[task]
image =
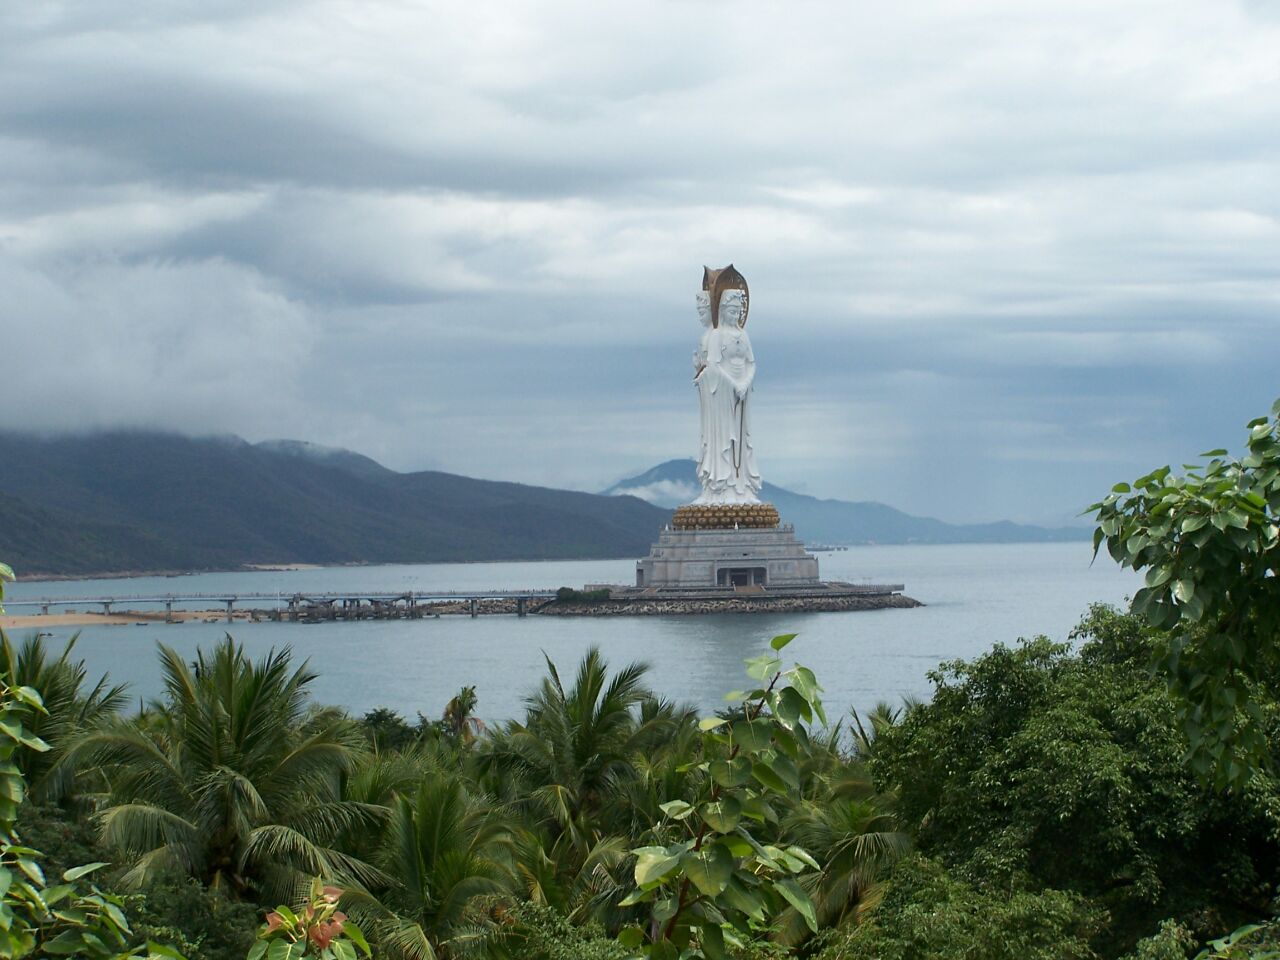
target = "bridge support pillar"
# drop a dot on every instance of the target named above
(475, 607)
(106, 608)
(520, 602)
(168, 611)
(230, 604)
(44, 608)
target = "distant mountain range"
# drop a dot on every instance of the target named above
(115, 502)
(838, 521)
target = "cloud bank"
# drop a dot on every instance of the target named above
(1001, 255)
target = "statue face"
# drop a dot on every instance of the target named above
(731, 309)
(703, 303)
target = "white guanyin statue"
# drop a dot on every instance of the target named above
(725, 369)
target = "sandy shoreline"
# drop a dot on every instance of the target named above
(117, 617)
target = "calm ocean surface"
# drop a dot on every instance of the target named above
(976, 596)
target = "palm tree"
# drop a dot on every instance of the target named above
(232, 777)
(852, 832)
(570, 768)
(446, 855)
(458, 719)
(69, 709)
(577, 744)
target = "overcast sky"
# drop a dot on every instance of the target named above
(1001, 254)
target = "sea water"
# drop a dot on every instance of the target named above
(975, 596)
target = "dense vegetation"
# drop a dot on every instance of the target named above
(1038, 806)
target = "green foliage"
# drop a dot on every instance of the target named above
(457, 720)
(71, 707)
(74, 917)
(444, 854)
(1033, 768)
(929, 914)
(1256, 941)
(709, 882)
(203, 923)
(317, 928)
(386, 730)
(6, 574)
(1209, 541)
(233, 778)
(570, 595)
(1172, 942)
(537, 932)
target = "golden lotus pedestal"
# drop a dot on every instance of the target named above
(730, 547)
(726, 516)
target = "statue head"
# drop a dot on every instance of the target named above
(702, 301)
(733, 308)
(716, 282)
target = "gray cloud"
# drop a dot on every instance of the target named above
(1001, 255)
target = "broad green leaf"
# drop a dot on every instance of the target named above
(758, 809)
(1193, 523)
(654, 864)
(637, 896)
(792, 707)
(710, 723)
(666, 908)
(67, 943)
(782, 640)
(803, 855)
(792, 742)
(805, 682)
(723, 815)
(742, 898)
(257, 950)
(75, 873)
(736, 846)
(168, 953)
(676, 809)
(763, 667)
(767, 777)
(709, 869)
(631, 936)
(751, 736)
(731, 773)
(712, 938)
(787, 770)
(794, 894)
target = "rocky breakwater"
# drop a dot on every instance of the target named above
(640, 606)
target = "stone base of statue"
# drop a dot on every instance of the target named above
(727, 546)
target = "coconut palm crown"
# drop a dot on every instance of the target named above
(231, 777)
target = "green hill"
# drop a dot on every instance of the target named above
(132, 501)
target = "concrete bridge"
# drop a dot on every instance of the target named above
(306, 606)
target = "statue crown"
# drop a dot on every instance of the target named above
(716, 282)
